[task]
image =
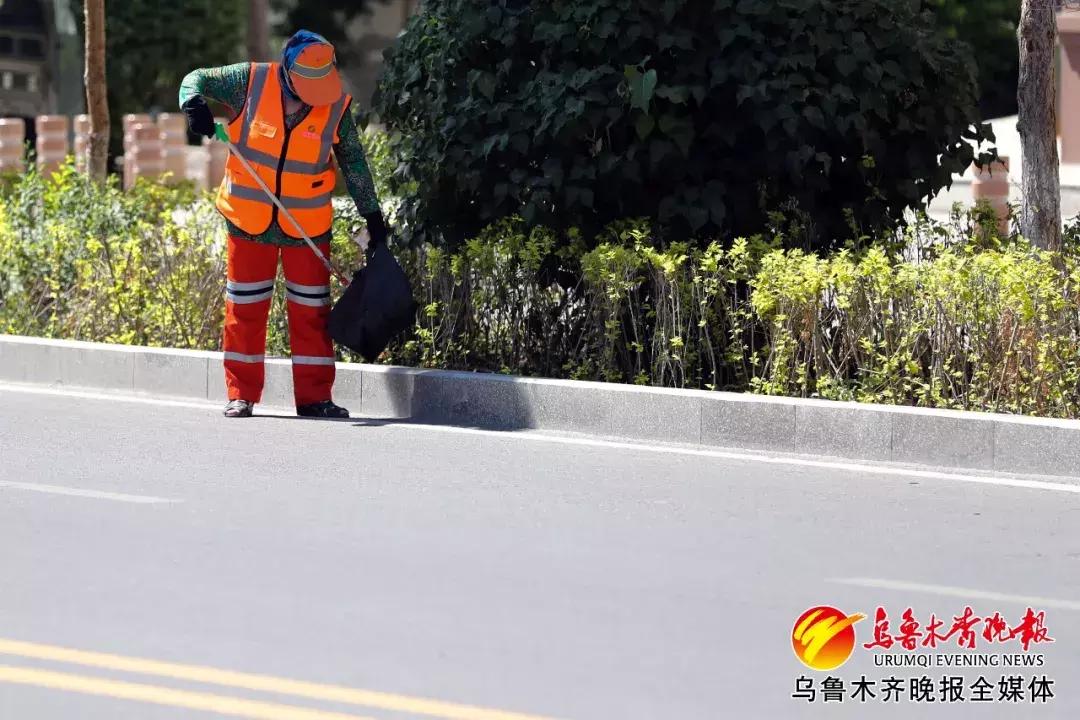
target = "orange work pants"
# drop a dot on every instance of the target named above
(252, 268)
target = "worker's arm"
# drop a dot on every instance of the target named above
(226, 85)
(353, 162)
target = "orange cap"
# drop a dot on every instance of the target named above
(314, 75)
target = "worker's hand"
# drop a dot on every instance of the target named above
(376, 229)
(199, 118)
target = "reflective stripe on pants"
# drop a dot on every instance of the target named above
(313, 295)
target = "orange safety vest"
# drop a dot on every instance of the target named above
(294, 163)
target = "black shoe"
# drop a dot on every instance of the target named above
(324, 409)
(239, 408)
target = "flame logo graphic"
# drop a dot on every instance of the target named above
(823, 637)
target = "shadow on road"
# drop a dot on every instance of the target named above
(458, 399)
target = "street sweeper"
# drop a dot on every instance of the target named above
(287, 118)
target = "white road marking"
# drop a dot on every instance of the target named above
(81, 492)
(852, 466)
(533, 436)
(89, 395)
(966, 593)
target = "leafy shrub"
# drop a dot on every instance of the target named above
(1071, 236)
(702, 115)
(86, 262)
(144, 267)
(975, 330)
(968, 327)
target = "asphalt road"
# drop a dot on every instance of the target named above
(159, 561)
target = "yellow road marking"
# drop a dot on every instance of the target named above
(206, 702)
(260, 683)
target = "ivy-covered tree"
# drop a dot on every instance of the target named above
(707, 116)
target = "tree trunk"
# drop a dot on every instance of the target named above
(97, 104)
(1040, 214)
(258, 35)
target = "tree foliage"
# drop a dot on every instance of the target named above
(989, 26)
(704, 114)
(151, 45)
(329, 18)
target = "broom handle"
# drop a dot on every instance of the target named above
(221, 134)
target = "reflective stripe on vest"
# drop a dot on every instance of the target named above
(294, 163)
(256, 194)
(293, 166)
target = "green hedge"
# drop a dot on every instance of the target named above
(704, 116)
(968, 322)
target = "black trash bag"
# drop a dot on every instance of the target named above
(376, 306)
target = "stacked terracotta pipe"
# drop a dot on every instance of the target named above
(52, 142)
(173, 145)
(991, 187)
(12, 145)
(152, 148)
(142, 149)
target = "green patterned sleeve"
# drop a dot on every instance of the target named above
(226, 85)
(354, 166)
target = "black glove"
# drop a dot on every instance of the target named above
(376, 229)
(199, 118)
